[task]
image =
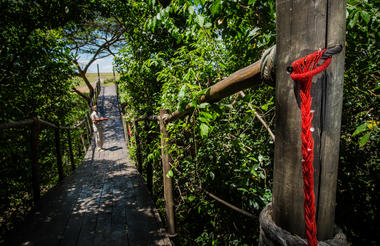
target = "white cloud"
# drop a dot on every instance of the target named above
(105, 64)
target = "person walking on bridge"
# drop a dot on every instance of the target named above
(98, 128)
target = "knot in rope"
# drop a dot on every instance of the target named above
(303, 71)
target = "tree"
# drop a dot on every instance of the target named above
(98, 38)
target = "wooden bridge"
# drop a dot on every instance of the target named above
(103, 202)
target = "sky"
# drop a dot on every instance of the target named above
(105, 64)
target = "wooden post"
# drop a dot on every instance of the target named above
(125, 130)
(97, 66)
(35, 128)
(82, 140)
(168, 190)
(138, 151)
(88, 128)
(71, 150)
(59, 154)
(128, 129)
(149, 170)
(114, 77)
(302, 28)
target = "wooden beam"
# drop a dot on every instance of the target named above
(168, 188)
(302, 28)
(20, 123)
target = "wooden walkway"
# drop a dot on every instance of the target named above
(103, 202)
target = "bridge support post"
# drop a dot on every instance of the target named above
(82, 140)
(168, 189)
(149, 169)
(138, 151)
(302, 28)
(34, 158)
(59, 154)
(71, 149)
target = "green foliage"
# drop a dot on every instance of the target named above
(220, 147)
(357, 197)
(35, 72)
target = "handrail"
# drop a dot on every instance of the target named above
(35, 132)
(14, 124)
(242, 79)
(245, 78)
(29, 121)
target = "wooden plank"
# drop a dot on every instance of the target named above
(300, 31)
(168, 189)
(333, 100)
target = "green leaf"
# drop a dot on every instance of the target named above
(212, 175)
(250, 2)
(200, 20)
(203, 105)
(365, 16)
(191, 198)
(204, 130)
(169, 174)
(353, 21)
(191, 10)
(181, 93)
(364, 139)
(208, 25)
(214, 8)
(360, 129)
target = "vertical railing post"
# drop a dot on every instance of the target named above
(97, 65)
(59, 154)
(114, 77)
(88, 128)
(128, 132)
(125, 130)
(71, 150)
(168, 190)
(138, 151)
(35, 135)
(149, 170)
(82, 139)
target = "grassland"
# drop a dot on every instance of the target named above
(106, 78)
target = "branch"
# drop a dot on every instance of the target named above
(260, 118)
(81, 94)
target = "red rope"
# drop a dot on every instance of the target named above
(303, 71)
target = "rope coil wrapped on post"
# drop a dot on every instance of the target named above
(273, 235)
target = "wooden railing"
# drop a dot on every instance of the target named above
(247, 77)
(35, 124)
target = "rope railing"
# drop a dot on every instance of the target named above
(245, 78)
(35, 124)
